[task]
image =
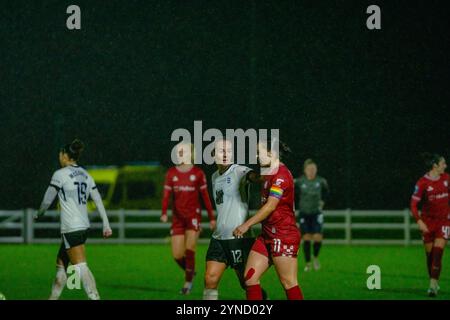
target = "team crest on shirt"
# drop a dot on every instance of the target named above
(304, 186)
(192, 177)
(175, 178)
(317, 184)
(446, 183)
(430, 188)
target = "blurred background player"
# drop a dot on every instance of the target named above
(73, 185)
(230, 191)
(431, 191)
(185, 183)
(311, 193)
(280, 238)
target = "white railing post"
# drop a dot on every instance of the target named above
(407, 227)
(122, 225)
(348, 226)
(28, 226)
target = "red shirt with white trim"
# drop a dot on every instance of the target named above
(281, 222)
(433, 194)
(186, 189)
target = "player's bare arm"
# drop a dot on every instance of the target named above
(254, 177)
(262, 214)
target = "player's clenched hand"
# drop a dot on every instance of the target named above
(163, 218)
(107, 232)
(422, 226)
(212, 224)
(239, 231)
(38, 214)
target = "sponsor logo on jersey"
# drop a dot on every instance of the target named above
(278, 182)
(184, 188)
(442, 195)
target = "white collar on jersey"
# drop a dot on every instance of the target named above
(431, 178)
(226, 171)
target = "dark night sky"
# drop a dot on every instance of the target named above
(363, 103)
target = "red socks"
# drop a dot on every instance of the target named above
(429, 262)
(181, 262)
(254, 292)
(436, 262)
(294, 293)
(190, 265)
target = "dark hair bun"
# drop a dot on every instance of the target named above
(285, 148)
(430, 159)
(77, 145)
(76, 148)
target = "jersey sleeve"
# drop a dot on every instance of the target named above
(418, 191)
(203, 186)
(168, 184)
(202, 183)
(91, 182)
(242, 171)
(325, 189)
(416, 198)
(279, 185)
(57, 180)
(166, 193)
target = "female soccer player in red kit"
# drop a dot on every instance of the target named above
(432, 192)
(186, 183)
(280, 239)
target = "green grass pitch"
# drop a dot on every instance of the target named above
(148, 272)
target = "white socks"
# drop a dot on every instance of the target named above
(59, 283)
(88, 280)
(210, 294)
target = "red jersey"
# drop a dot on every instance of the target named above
(186, 188)
(281, 222)
(433, 194)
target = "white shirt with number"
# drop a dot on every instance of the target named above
(74, 184)
(230, 200)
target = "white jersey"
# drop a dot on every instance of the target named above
(74, 185)
(231, 203)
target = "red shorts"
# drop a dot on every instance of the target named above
(276, 247)
(181, 224)
(437, 229)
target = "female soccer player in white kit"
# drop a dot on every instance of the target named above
(73, 185)
(230, 190)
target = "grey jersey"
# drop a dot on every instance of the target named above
(311, 193)
(74, 185)
(230, 199)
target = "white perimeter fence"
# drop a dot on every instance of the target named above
(19, 227)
